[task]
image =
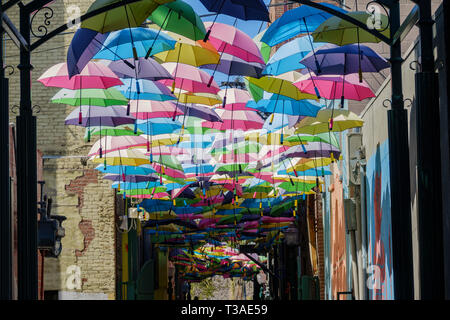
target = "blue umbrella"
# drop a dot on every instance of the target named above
(309, 172)
(287, 57)
(136, 185)
(157, 126)
(280, 121)
(83, 47)
(286, 106)
(127, 170)
(119, 44)
(142, 89)
(303, 19)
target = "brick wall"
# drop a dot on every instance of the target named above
(78, 191)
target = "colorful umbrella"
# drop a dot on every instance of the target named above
(147, 109)
(329, 120)
(90, 97)
(99, 116)
(145, 89)
(147, 69)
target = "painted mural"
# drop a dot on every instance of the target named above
(380, 273)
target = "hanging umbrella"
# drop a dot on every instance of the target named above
(125, 157)
(127, 170)
(92, 76)
(190, 78)
(198, 98)
(280, 87)
(124, 16)
(120, 130)
(236, 99)
(241, 9)
(341, 120)
(234, 66)
(341, 32)
(158, 126)
(263, 47)
(179, 17)
(287, 57)
(344, 60)
(294, 22)
(287, 106)
(95, 116)
(90, 97)
(147, 109)
(280, 121)
(145, 90)
(112, 143)
(134, 43)
(228, 39)
(237, 120)
(199, 111)
(147, 69)
(83, 47)
(194, 53)
(336, 86)
(131, 178)
(311, 150)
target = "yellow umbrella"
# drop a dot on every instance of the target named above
(336, 120)
(194, 53)
(341, 32)
(307, 163)
(163, 139)
(280, 87)
(199, 98)
(127, 157)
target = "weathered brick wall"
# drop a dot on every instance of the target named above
(78, 192)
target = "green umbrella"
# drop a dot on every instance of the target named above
(327, 137)
(125, 16)
(122, 130)
(167, 161)
(179, 17)
(296, 186)
(255, 91)
(341, 32)
(90, 97)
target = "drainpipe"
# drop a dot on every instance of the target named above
(363, 266)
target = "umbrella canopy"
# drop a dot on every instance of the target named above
(147, 69)
(199, 111)
(241, 9)
(99, 116)
(190, 78)
(280, 87)
(287, 57)
(236, 99)
(119, 44)
(147, 109)
(347, 59)
(341, 32)
(193, 53)
(125, 16)
(83, 47)
(228, 39)
(336, 86)
(93, 76)
(179, 17)
(158, 126)
(342, 120)
(119, 130)
(287, 106)
(90, 97)
(110, 144)
(199, 98)
(303, 19)
(237, 120)
(145, 89)
(234, 66)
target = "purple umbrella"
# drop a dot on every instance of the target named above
(195, 110)
(231, 65)
(131, 178)
(99, 116)
(147, 69)
(311, 150)
(352, 58)
(85, 44)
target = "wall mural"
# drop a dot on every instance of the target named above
(380, 274)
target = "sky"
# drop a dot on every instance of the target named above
(252, 28)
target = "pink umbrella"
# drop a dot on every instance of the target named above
(336, 87)
(235, 99)
(165, 150)
(93, 76)
(114, 143)
(228, 39)
(168, 171)
(237, 120)
(148, 109)
(189, 78)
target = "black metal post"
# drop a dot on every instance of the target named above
(26, 175)
(399, 173)
(429, 184)
(5, 212)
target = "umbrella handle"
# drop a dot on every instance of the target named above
(128, 109)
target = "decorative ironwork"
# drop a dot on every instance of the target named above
(370, 8)
(414, 64)
(387, 103)
(410, 103)
(11, 67)
(36, 107)
(41, 30)
(14, 109)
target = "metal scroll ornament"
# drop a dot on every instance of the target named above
(41, 30)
